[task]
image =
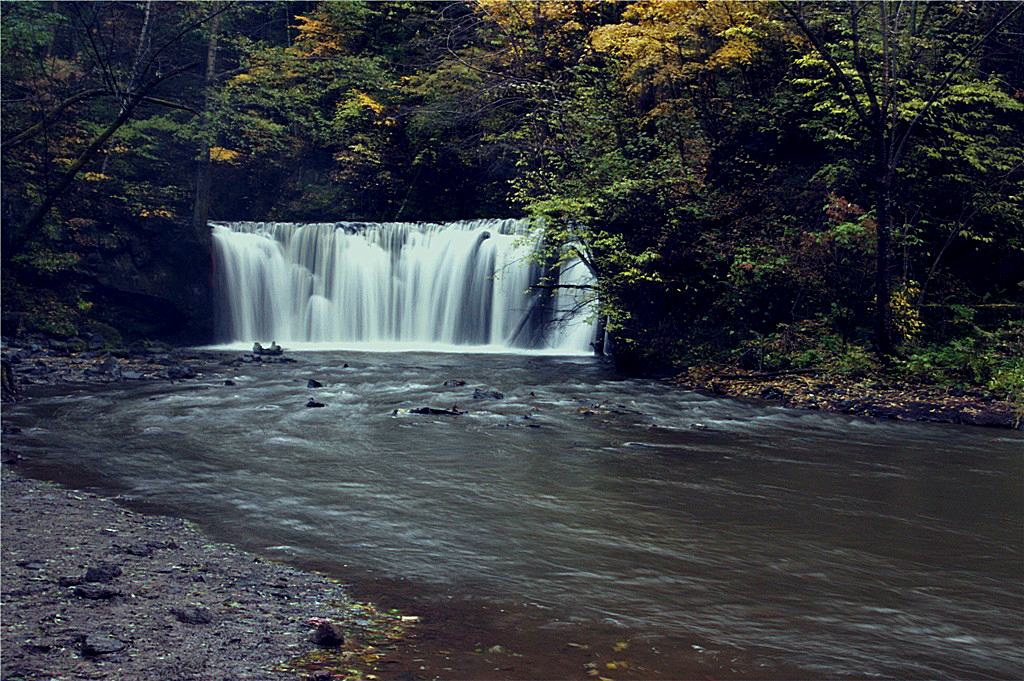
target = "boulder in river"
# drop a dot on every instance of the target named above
(313, 404)
(479, 394)
(454, 383)
(434, 411)
(313, 383)
(273, 350)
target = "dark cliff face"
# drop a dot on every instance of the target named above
(158, 286)
(153, 282)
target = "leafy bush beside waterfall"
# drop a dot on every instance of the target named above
(767, 185)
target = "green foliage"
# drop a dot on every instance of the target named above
(48, 315)
(990, 359)
(702, 159)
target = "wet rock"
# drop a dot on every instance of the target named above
(111, 367)
(31, 564)
(326, 633)
(479, 394)
(229, 382)
(104, 572)
(320, 675)
(454, 383)
(313, 404)
(180, 372)
(277, 360)
(272, 351)
(140, 550)
(95, 592)
(69, 580)
(9, 456)
(131, 375)
(37, 647)
(313, 383)
(772, 393)
(454, 411)
(192, 614)
(94, 645)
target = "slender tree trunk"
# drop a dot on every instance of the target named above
(599, 334)
(883, 243)
(201, 206)
(72, 172)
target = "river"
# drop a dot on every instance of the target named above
(763, 539)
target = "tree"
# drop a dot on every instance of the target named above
(893, 62)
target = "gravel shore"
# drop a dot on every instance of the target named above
(872, 397)
(92, 590)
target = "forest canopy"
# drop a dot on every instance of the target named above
(772, 185)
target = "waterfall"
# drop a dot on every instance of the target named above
(396, 285)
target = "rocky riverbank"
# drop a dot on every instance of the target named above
(92, 590)
(40, 361)
(37, 360)
(871, 396)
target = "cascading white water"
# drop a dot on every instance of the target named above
(396, 284)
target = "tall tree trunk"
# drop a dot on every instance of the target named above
(201, 206)
(883, 241)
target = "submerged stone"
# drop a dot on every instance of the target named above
(479, 394)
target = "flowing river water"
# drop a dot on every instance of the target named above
(712, 535)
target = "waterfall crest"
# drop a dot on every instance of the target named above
(396, 285)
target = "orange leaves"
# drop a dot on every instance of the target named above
(316, 37)
(224, 155)
(679, 40)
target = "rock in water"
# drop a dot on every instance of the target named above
(111, 367)
(454, 383)
(479, 394)
(229, 382)
(272, 351)
(313, 404)
(179, 372)
(454, 411)
(94, 645)
(313, 383)
(326, 633)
